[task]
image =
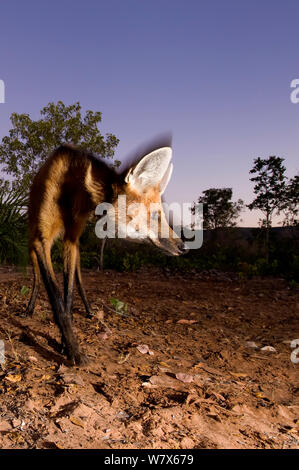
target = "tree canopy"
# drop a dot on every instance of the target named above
(219, 211)
(269, 188)
(29, 142)
(290, 202)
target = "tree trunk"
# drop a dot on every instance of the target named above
(268, 224)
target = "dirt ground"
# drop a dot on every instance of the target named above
(175, 369)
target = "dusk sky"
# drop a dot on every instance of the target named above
(216, 74)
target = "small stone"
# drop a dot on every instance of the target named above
(144, 349)
(122, 415)
(72, 379)
(32, 359)
(5, 426)
(187, 443)
(16, 423)
(251, 344)
(268, 348)
(186, 378)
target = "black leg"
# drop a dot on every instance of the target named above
(80, 286)
(62, 318)
(36, 282)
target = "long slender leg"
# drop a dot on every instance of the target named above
(80, 286)
(62, 319)
(36, 282)
(69, 267)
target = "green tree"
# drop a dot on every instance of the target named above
(219, 211)
(269, 188)
(290, 202)
(29, 142)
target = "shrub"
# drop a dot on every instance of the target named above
(13, 225)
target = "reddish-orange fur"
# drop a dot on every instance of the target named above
(65, 191)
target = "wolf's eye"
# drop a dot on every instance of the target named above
(155, 215)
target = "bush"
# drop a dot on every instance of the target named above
(236, 250)
(13, 225)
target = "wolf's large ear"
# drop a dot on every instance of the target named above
(151, 170)
(166, 178)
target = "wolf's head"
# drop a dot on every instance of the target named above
(145, 220)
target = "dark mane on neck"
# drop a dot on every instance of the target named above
(162, 140)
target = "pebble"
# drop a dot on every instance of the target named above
(5, 426)
(268, 348)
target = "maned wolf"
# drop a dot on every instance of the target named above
(64, 193)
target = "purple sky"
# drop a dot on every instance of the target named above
(216, 74)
